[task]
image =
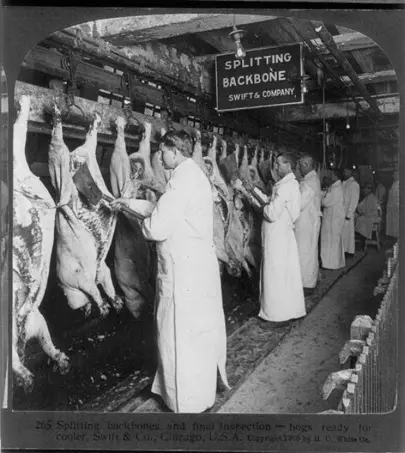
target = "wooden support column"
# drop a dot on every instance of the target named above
(330, 44)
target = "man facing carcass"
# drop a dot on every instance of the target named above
(333, 220)
(190, 322)
(281, 291)
(308, 223)
(351, 194)
(392, 224)
(368, 213)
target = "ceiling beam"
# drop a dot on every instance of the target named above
(375, 77)
(348, 42)
(44, 99)
(219, 39)
(330, 44)
(157, 62)
(315, 112)
(125, 31)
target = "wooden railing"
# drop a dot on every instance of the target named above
(369, 360)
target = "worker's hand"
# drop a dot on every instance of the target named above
(118, 203)
(237, 185)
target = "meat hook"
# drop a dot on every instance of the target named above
(70, 62)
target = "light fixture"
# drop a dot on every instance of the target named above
(347, 117)
(354, 167)
(319, 28)
(304, 83)
(236, 35)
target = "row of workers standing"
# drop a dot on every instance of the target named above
(301, 217)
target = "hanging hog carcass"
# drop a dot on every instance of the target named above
(132, 260)
(33, 237)
(161, 175)
(84, 232)
(234, 238)
(142, 172)
(221, 205)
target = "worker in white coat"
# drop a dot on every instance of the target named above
(367, 213)
(308, 223)
(351, 194)
(333, 220)
(190, 322)
(392, 223)
(281, 291)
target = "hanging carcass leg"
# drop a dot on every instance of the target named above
(33, 237)
(221, 203)
(84, 232)
(131, 251)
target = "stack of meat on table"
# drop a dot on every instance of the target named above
(83, 234)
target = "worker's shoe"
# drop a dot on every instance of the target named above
(272, 324)
(308, 291)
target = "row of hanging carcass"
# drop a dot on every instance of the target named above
(82, 234)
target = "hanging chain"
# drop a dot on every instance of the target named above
(70, 62)
(201, 112)
(168, 105)
(126, 85)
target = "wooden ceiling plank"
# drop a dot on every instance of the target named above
(136, 29)
(375, 77)
(157, 62)
(39, 122)
(345, 43)
(328, 41)
(364, 60)
(315, 112)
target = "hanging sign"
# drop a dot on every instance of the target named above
(265, 77)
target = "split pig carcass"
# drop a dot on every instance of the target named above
(161, 175)
(132, 259)
(234, 238)
(83, 232)
(33, 237)
(222, 201)
(141, 169)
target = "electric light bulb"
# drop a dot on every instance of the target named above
(240, 52)
(347, 126)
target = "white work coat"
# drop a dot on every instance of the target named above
(351, 194)
(333, 220)
(380, 193)
(307, 228)
(367, 215)
(281, 295)
(190, 321)
(392, 226)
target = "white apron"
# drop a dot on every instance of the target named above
(307, 228)
(281, 295)
(392, 226)
(190, 322)
(367, 216)
(351, 194)
(333, 220)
